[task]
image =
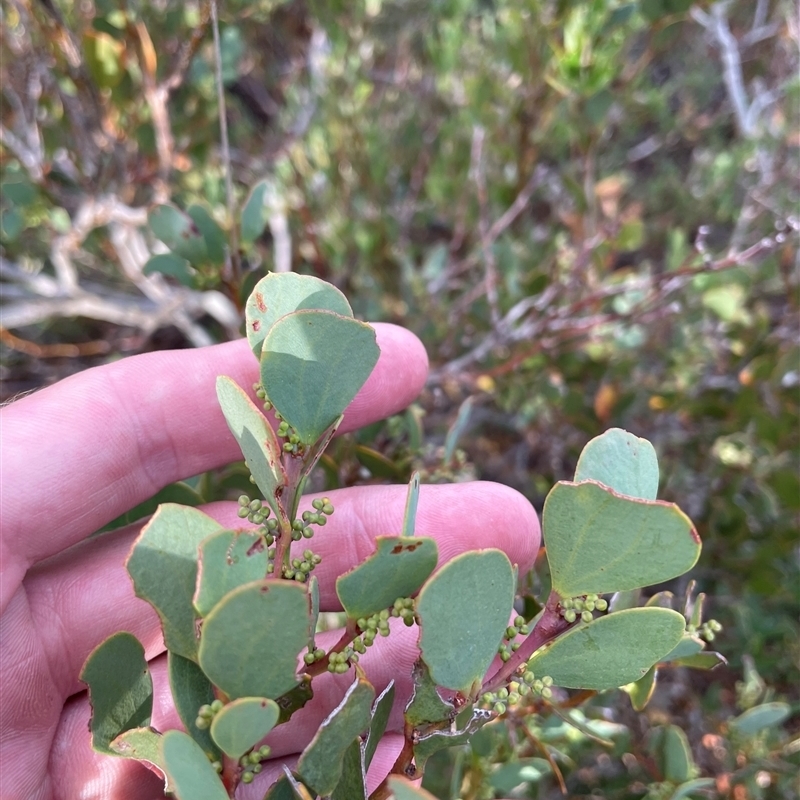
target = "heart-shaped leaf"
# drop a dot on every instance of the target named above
(599, 541)
(621, 461)
(610, 651)
(281, 293)
(463, 611)
(320, 765)
(243, 723)
(256, 439)
(163, 566)
(398, 568)
(120, 689)
(189, 772)
(228, 559)
(251, 638)
(312, 365)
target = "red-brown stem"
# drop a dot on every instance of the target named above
(550, 624)
(401, 765)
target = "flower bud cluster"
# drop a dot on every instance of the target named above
(512, 631)
(708, 630)
(262, 395)
(583, 606)
(251, 763)
(300, 568)
(206, 713)
(339, 663)
(314, 655)
(257, 512)
(525, 685)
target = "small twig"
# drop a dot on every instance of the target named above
(234, 262)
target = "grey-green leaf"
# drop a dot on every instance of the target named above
(754, 720)
(599, 541)
(179, 232)
(228, 559)
(352, 784)
(281, 293)
(188, 771)
(412, 502)
(610, 651)
(120, 689)
(256, 439)
(312, 365)
(464, 610)
(398, 568)
(213, 236)
(163, 566)
(171, 265)
(426, 705)
(243, 723)
(254, 213)
(380, 719)
(320, 765)
(621, 461)
(251, 638)
(191, 689)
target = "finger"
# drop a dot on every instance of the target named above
(98, 443)
(86, 595)
(459, 516)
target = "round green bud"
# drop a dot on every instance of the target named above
(308, 533)
(586, 616)
(205, 711)
(309, 658)
(515, 646)
(547, 692)
(503, 694)
(589, 605)
(254, 505)
(510, 632)
(257, 519)
(254, 757)
(244, 760)
(567, 602)
(327, 508)
(524, 630)
(244, 500)
(252, 479)
(528, 677)
(537, 685)
(243, 512)
(601, 604)
(287, 448)
(319, 654)
(341, 668)
(318, 503)
(408, 621)
(715, 626)
(247, 776)
(217, 766)
(570, 615)
(270, 569)
(513, 697)
(321, 521)
(202, 723)
(524, 689)
(217, 706)
(257, 768)
(296, 536)
(505, 656)
(488, 697)
(264, 751)
(499, 708)
(547, 680)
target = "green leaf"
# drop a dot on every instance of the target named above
(687, 646)
(256, 439)
(706, 660)
(754, 720)
(120, 689)
(228, 559)
(143, 744)
(255, 213)
(352, 784)
(412, 502)
(426, 705)
(609, 651)
(281, 293)
(381, 710)
(463, 611)
(188, 770)
(642, 690)
(163, 566)
(377, 463)
(512, 774)
(403, 789)
(215, 240)
(599, 541)
(243, 723)
(251, 638)
(191, 689)
(179, 232)
(312, 365)
(320, 765)
(398, 568)
(173, 266)
(671, 747)
(621, 461)
(689, 787)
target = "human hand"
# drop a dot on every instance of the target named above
(78, 454)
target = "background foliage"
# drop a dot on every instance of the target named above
(588, 211)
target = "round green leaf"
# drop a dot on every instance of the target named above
(599, 541)
(251, 638)
(621, 461)
(281, 293)
(228, 559)
(163, 567)
(312, 365)
(188, 771)
(256, 439)
(120, 689)
(610, 651)
(243, 723)
(464, 610)
(399, 566)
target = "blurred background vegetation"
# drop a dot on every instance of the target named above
(588, 211)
